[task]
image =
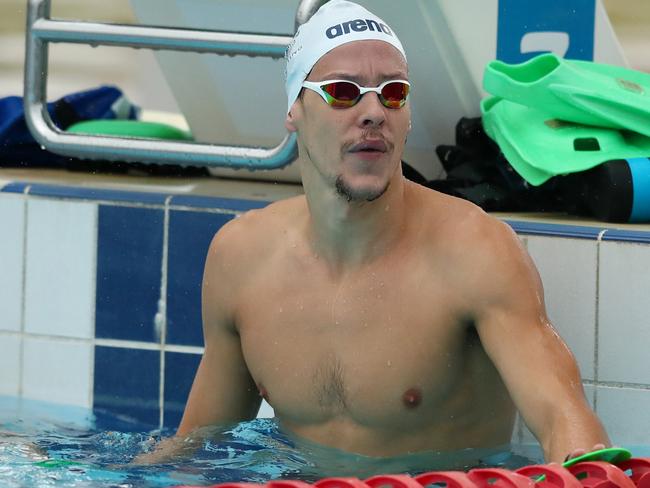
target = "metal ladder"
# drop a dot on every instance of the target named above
(42, 30)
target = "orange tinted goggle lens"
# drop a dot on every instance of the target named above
(344, 94)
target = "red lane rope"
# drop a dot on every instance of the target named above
(633, 473)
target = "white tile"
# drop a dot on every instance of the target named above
(624, 313)
(568, 271)
(61, 265)
(9, 365)
(516, 431)
(12, 223)
(58, 371)
(624, 412)
(266, 411)
(527, 436)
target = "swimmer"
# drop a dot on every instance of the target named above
(375, 315)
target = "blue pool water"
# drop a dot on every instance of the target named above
(34, 436)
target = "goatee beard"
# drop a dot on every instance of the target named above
(353, 195)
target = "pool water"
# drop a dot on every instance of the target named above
(46, 445)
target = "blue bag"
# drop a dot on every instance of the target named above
(19, 149)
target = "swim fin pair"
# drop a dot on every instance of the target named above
(552, 116)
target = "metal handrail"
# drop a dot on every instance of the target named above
(41, 30)
(307, 8)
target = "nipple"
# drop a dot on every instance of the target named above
(412, 397)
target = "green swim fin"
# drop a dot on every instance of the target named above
(577, 91)
(539, 147)
(613, 455)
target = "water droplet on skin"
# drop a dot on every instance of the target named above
(389, 363)
(337, 322)
(381, 284)
(281, 310)
(302, 307)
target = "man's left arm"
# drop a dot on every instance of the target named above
(537, 367)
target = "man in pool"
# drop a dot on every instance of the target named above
(375, 315)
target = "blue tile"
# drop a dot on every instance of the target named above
(14, 187)
(639, 236)
(120, 392)
(62, 191)
(190, 234)
(555, 230)
(217, 202)
(129, 261)
(180, 369)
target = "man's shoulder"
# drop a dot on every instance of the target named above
(464, 234)
(254, 231)
(458, 218)
(476, 252)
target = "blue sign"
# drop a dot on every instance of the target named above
(527, 28)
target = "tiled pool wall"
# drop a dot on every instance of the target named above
(100, 302)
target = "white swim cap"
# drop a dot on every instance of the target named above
(335, 23)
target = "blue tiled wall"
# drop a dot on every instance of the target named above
(179, 373)
(190, 234)
(117, 389)
(129, 264)
(130, 276)
(150, 251)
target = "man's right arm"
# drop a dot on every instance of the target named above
(223, 390)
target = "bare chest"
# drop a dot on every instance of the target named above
(376, 346)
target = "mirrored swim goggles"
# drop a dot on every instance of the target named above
(345, 93)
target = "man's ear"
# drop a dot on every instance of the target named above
(289, 123)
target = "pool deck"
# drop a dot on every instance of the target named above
(73, 184)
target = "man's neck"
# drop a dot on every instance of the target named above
(349, 233)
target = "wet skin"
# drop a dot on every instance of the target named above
(375, 315)
(381, 360)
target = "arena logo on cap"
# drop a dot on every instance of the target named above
(358, 25)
